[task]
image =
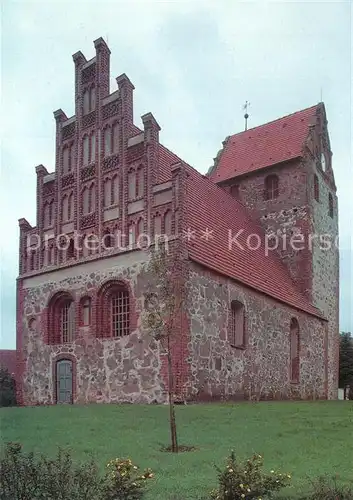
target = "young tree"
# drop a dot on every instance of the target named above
(346, 363)
(163, 309)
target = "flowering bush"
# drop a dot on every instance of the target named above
(247, 480)
(123, 481)
(29, 477)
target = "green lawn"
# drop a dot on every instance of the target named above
(305, 439)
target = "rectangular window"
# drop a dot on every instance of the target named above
(86, 312)
(67, 322)
(120, 314)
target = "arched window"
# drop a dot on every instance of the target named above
(46, 216)
(86, 101)
(31, 260)
(51, 212)
(271, 187)
(157, 225)
(236, 327)
(71, 250)
(107, 240)
(93, 147)
(316, 188)
(114, 310)
(323, 161)
(139, 228)
(71, 158)
(85, 316)
(140, 180)
(92, 244)
(85, 146)
(115, 138)
(168, 223)
(132, 184)
(92, 96)
(65, 208)
(132, 234)
(32, 324)
(70, 208)
(330, 205)
(45, 254)
(66, 159)
(92, 198)
(107, 192)
(61, 319)
(85, 200)
(51, 254)
(115, 190)
(85, 252)
(107, 141)
(294, 350)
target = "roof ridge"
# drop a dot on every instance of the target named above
(276, 120)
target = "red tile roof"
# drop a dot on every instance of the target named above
(209, 206)
(8, 360)
(263, 146)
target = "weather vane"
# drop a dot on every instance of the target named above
(246, 115)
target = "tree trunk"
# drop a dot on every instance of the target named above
(173, 429)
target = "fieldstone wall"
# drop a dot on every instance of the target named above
(106, 370)
(130, 369)
(314, 266)
(262, 369)
(325, 262)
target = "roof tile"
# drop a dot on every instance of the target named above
(263, 146)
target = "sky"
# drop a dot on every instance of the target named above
(193, 64)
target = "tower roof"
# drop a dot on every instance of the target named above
(263, 146)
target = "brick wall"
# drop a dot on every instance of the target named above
(284, 216)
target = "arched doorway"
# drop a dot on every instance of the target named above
(64, 383)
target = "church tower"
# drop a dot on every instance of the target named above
(282, 172)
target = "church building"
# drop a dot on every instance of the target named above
(258, 240)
